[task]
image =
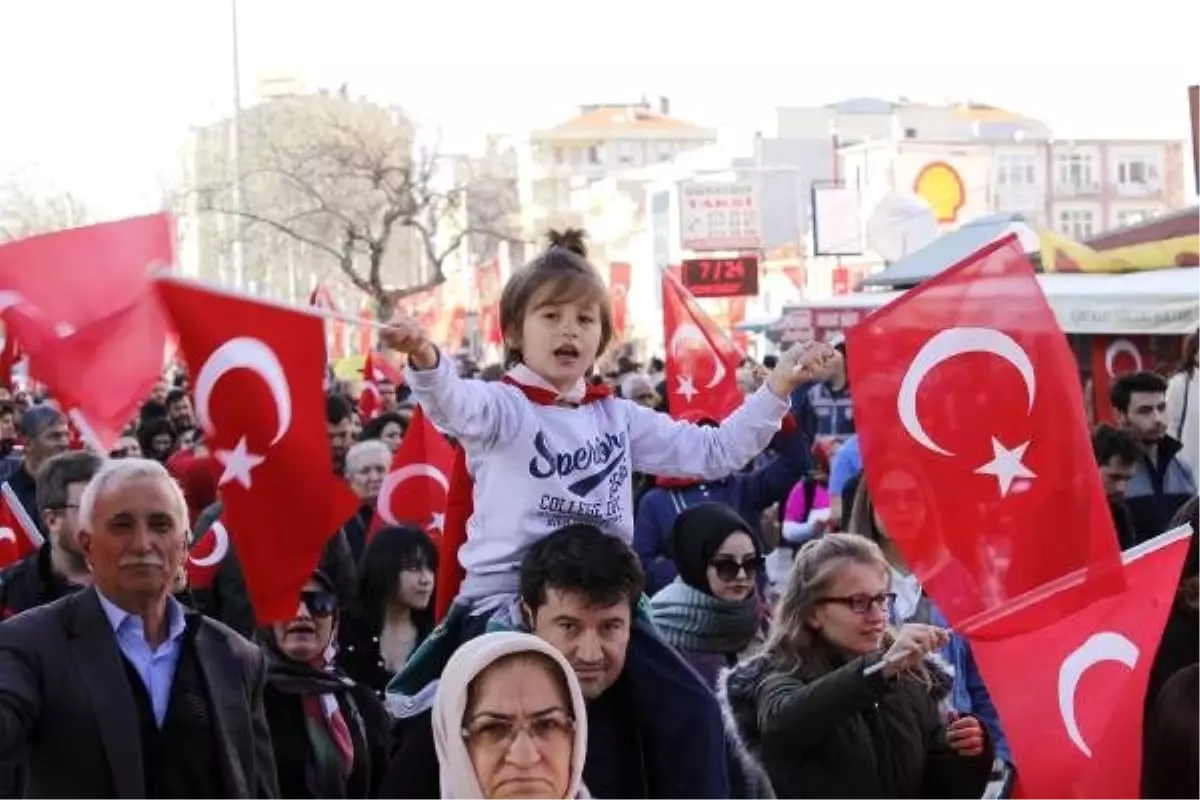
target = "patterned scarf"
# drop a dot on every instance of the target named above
(328, 732)
(689, 619)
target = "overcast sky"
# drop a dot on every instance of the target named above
(97, 95)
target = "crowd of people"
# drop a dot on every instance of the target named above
(649, 607)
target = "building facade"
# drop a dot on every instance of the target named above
(1079, 188)
(603, 142)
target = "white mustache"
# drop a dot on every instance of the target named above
(142, 562)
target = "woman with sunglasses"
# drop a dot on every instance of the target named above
(329, 734)
(711, 613)
(838, 705)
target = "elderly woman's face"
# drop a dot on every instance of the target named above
(366, 474)
(519, 730)
(306, 636)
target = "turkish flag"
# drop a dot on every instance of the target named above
(973, 438)
(257, 377)
(1070, 682)
(620, 274)
(206, 555)
(490, 286)
(368, 396)
(19, 535)
(460, 505)
(86, 310)
(9, 356)
(701, 362)
(416, 487)
(1112, 357)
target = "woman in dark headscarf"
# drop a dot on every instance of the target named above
(329, 733)
(711, 613)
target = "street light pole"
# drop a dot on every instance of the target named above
(236, 153)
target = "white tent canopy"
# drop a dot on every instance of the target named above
(1156, 302)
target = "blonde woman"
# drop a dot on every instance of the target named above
(509, 721)
(839, 706)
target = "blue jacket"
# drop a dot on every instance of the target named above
(748, 493)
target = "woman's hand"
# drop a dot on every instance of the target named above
(913, 642)
(799, 364)
(405, 335)
(965, 736)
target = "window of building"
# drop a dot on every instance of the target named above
(627, 154)
(1134, 216)
(1016, 170)
(1078, 224)
(559, 157)
(594, 156)
(665, 151)
(1076, 170)
(1136, 172)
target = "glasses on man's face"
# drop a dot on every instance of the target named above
(862, 603)
(499, 733)
(728, 568)
(319, 603)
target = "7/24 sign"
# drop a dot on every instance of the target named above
(721, 277)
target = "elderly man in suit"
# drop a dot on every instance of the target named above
(118, 690)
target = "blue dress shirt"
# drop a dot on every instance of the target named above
(156, 668)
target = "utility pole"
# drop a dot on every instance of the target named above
(236, 154)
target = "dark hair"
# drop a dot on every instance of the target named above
(390, 550)
(770, 361)
(1124, 387)
(337, 409)
(7, 408)
(59, 472)
(581, 558)
(38, 418)
(1109, 443)
(1189, 514)
(564, 269)
(1170, 767)
(152, 409)
(374, 428)
(174, 396)
(155, 427)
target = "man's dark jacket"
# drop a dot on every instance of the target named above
(65, 694)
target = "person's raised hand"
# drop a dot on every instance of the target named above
(913, 642)
(405, 335)
(799, 364)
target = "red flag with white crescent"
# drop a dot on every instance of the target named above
(415, 488)
(19, 536)
(1112, 357)
(258, 397)
(701, 361)
(1072, 710)
(971, 426)
(206, 555)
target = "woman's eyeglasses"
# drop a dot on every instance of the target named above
(862, 603)
(728, 567)
(499, 733)
(319, 603)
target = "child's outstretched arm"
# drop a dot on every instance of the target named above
(466, 409)
(661, 446)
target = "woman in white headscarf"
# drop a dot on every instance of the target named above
(509, 721)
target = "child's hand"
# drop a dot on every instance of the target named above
(405, 335)
(801, 363)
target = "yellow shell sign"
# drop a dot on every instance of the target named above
(940, 185)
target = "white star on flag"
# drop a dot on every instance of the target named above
(1006, 465)
(686, 387)
(237, 462)
(438, 523)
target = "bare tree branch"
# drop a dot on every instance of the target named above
(347, 180)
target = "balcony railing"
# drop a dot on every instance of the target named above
(1076, 189)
